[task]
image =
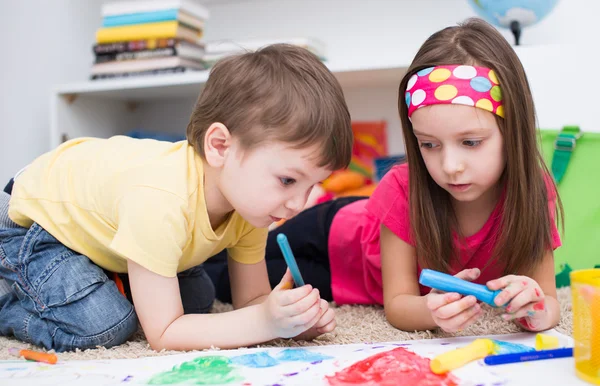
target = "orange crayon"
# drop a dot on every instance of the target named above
(33, 355)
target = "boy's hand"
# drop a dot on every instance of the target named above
(522, 298)
(325, 324)
(290, 312)
(451, 311)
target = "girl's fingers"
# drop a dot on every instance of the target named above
(510, 291)
(437, 300)
(500, 282)
(529, 311)
(472, 319)
(455, 308)
(524, 298)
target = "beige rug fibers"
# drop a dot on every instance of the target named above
(356, 324)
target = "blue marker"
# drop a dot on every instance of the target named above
(289, 259)
(502, 359)
(448, 283)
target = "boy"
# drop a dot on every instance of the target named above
(266, 128)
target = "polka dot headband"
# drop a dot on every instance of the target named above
(465, 85)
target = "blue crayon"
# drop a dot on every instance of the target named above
(289, 259)
(448, 283)
(502, 359)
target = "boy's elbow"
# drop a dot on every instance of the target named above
(158, 345)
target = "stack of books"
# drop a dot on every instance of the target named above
(219, 49)
(149, 37)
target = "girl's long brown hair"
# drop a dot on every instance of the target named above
(525, 233)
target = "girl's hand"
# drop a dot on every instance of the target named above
(325, 324)
(290, 312)
(522, 299)
(451, 311)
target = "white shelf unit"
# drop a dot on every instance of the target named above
(163, 103)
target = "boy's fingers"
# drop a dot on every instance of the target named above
(439, 300)
(287, 282)
(453, 309)
(302, 303)
(328, 327)
(309, 318)
(288, 297)
(326, 317)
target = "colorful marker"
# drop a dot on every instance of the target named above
(454, 359)
(502, 359)
(448, 283)
(33, 355)
(289, 259)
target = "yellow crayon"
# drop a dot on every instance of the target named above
(454, 359)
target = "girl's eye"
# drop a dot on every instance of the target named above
(471, 142)
(286, 181)
(428, 145)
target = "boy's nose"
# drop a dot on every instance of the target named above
(296, 204)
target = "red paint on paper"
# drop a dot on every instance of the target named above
(395, 367)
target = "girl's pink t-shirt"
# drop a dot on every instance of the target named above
(354, 253)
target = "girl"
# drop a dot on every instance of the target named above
(474, 199)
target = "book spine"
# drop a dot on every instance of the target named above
(140, 18)
(133, 55)
(167, 29)
(121, 75)
(133, 45)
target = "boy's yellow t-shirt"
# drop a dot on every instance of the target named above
(123, 198)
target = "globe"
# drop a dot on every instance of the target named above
(513, 14)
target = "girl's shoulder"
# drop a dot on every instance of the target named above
(550, 186)
(393, 186)
(397, 175)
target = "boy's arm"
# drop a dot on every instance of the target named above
(285, 313)
(160, 311)
(404, 308)
(249, 283)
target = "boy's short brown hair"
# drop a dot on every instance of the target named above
(280, 92)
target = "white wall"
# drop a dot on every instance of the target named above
(44, 43)
(58, 50)
(391, 32)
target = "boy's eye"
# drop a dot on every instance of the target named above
(471, 142)
(286, 181)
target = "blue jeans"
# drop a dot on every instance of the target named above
(61, 300)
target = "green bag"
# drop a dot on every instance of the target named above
(573, 157)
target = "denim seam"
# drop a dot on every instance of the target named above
(26, 326)
(22, 274)
(47, 272)
(110, 330)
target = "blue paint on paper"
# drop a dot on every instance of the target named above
(501, 347)
(301, 355)
(256, 360)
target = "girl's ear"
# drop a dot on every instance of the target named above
(217, 142)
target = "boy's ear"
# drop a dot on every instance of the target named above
(217, 142)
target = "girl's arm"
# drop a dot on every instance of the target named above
(404, 308)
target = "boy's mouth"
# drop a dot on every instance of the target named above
(275, 219)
